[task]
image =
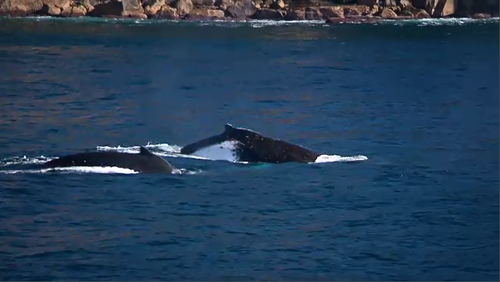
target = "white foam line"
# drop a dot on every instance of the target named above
(337, 158)
(24, 160)
(135, 149)
(165, 150)
(90, 169)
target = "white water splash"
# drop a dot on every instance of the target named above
(24, 160)
(162, 149)
(77, 169)
(337, 158)
(156, 148)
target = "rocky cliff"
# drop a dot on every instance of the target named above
(332, 11)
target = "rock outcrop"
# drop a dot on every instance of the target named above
(334, 11)
(184, 7)
(387, 13)
(167, 12)
(74, 11)
(105, 8)
(205, 14)
(270, 14)
(295, 15)
(20, 7)
(242, 9)
(55, 7)
(436, 8)
(133, 9)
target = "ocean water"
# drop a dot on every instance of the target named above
(406, 115)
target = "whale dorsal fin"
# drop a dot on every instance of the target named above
(144, 151)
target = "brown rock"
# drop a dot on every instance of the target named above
(154, 7)
(405, 13)
(270, 14)
(422, 14)
(396, 3)
(184, 7)
(368, 2)
(203, 2)
(295, 15)
(405, 3)
(387, 13)
(88, 6)
(78, 11)
(55, 7)
(351, 11)
(313, 13)
(74, 11)
(54, 11)
(264, 3)
(223, 4)
(359, 10)
(332, 12)
(133, 9)
(167, 12)
(137, 15)
(278, 4)
(334, 20)
(20, 7)
(436, 8)
(207, 13)
(243, 9)
(66, 12)
(101, 9)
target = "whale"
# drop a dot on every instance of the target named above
(143, 162)
(253, 147)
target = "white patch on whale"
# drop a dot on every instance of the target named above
(225, 151)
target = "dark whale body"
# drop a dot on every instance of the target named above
(252, 146)
(144, 161)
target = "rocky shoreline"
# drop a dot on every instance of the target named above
(287, 10)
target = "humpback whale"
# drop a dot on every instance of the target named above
(145, 161)
(251, 146)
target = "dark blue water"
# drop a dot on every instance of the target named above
(420, 100)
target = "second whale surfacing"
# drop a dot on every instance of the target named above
(251, 146)
(144, 162)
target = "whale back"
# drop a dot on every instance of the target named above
(269, 149)
(252, 146)
(144, 161)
